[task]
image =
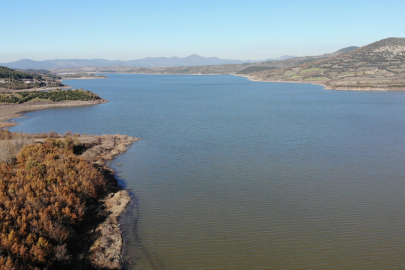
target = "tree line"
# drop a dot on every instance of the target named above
(55, 96)
(15, 79)
(8, 73)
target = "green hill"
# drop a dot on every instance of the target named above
(54, 96)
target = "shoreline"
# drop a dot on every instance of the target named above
(105, 251)
(327, 87)
(84, 78)
(99, 240)
(252, 78)
(8, 112)
(193, 74)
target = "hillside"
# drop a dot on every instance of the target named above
(378, 66)
(11, 79)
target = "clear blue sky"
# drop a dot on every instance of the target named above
(132, 29)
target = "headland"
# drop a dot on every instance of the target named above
(99, 240)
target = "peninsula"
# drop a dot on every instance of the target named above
(66, 201)
(82, 76)
(17, 101)
(85, 233)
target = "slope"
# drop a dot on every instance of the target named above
(377, 66)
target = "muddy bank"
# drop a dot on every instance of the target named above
(105, 251)
(102, 148)
(325, 85)
(9, 111)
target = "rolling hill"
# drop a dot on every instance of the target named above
(377, 66)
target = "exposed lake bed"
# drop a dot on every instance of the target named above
(234, 174)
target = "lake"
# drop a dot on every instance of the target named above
(235, 174)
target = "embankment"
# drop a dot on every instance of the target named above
(325, 85)
(106, 251)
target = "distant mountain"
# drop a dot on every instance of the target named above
(242, 69)
(57, 63)
(192, 60)
(377, 66)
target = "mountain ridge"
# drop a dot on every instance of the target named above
(191, 60)
(147, 62)
(202, 69)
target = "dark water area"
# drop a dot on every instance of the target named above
(234, 174)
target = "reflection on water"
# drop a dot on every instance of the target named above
(233, 174)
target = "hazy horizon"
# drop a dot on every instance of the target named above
(237, 30)
(194, 54)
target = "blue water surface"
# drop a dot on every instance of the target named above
(235, 174)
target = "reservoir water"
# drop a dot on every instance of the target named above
(234, 174)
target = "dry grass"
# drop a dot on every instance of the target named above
(10, 145)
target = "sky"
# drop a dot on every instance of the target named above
(243, 30)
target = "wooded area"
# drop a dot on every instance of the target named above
(44, 195)
(13, 79)
(55, 96)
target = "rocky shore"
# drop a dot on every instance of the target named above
(106, 251)
(100, 241)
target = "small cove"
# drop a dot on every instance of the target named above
(234, 174)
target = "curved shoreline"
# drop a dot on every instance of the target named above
(325, 86)
(11, 111)
(106, 250)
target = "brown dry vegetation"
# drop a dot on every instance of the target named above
(43, 199)
(53, 211)
(10, 145)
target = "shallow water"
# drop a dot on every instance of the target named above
(234, 174)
